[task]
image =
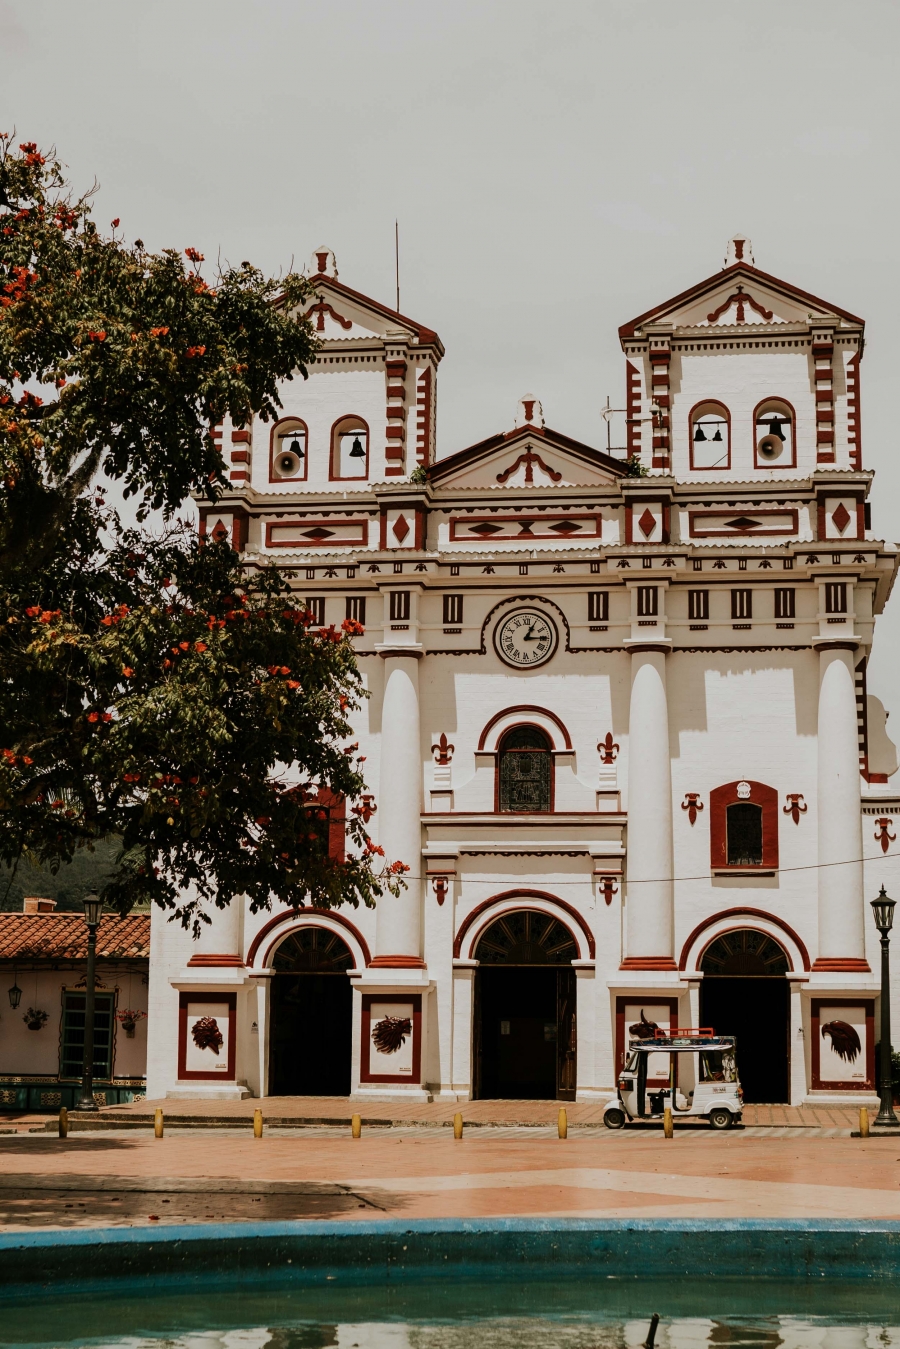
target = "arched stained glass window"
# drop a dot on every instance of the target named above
(313, 950)
(526, 938)
(526, 771)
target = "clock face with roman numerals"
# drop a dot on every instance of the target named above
(526, 638)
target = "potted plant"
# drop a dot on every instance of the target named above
(129, 1017)
(35, 1019)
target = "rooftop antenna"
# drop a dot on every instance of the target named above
(397, 261)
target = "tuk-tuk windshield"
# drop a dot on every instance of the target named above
(631, 1062)
(718, 1065)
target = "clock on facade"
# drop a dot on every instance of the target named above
(525, 638)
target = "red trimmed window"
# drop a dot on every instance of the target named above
(327, 812)
(525, 771)
(743, 825)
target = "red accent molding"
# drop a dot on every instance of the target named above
(744, 913)
(334, 451)
(740, 298)
(291, 915)
(648, 963)
(397, 963)
(312, 522)
(514, 711)
(816, 1005)
(848, 964)
(523, 894)
(320, 310)
(230, 1001)
(365, 1073)
(275, 434)
(711, 407)
(633, 409)
(720, 798)
(212, 961)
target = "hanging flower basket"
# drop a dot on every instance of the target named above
(35, 1019)
(129, 1017)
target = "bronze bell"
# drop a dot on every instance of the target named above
(356, 450)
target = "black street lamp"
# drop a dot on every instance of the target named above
(92, 919)
(883, 909)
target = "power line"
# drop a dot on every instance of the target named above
(704, 876)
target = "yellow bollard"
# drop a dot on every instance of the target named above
(863, 1122)
(562, 1124)
(158, 1123)
(457, 1125)
(64, 1122)
(668, 1126)
(257, 1124)
(356, 1126)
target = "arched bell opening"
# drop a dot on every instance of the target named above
(311, 1015)
(525, 1032)
(745, 993)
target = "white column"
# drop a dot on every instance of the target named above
(397, 919)
(650, 926)
(841, 916)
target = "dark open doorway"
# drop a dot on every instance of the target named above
(744, 993)
(311, 1016)
(525, 1027)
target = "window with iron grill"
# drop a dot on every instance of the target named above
(453, 608)
(316, 606)
(598, 606)
(525, 769)
(698, 605)
(648, 601)
(785, 603)
(71, 1059)
(744, 834)
(741, 604)
(836, 597)
(399, 606)
(356, 608)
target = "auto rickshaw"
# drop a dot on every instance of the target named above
(702, 1079)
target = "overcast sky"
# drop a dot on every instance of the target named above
(556, 168)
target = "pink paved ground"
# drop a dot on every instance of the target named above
(132, 1178)
(318, 1108)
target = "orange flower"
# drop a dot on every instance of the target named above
(99, 336)
(26, 758)
(199, 646)
(93, 716)
(127, 671)
(159, 332)
(293, 683)
(196, 351)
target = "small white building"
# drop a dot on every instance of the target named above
(618, 725)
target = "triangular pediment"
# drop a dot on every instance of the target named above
(529, 457)
(740, 295)
(338, 313)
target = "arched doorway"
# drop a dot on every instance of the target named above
(311, 1015)
(745, 993)
(525, 1029)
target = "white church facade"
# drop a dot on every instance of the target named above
(618, 726)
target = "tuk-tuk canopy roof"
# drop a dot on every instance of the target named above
(683, 1043)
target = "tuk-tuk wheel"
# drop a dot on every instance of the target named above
(720, 1119)
(614, 1119)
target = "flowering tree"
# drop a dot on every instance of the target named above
(149, 688)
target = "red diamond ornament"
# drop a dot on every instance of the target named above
(401, 528)
(841, 518)
(647, 523)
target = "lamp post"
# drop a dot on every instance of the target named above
(92, 919)
(883, 909)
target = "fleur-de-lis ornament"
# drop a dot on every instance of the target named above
(795, 807)
(883, 832)
(608, 749)
(692, 804)
(443, 750)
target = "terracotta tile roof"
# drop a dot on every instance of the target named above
(63, 936)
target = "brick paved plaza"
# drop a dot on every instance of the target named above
(783, 1163)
